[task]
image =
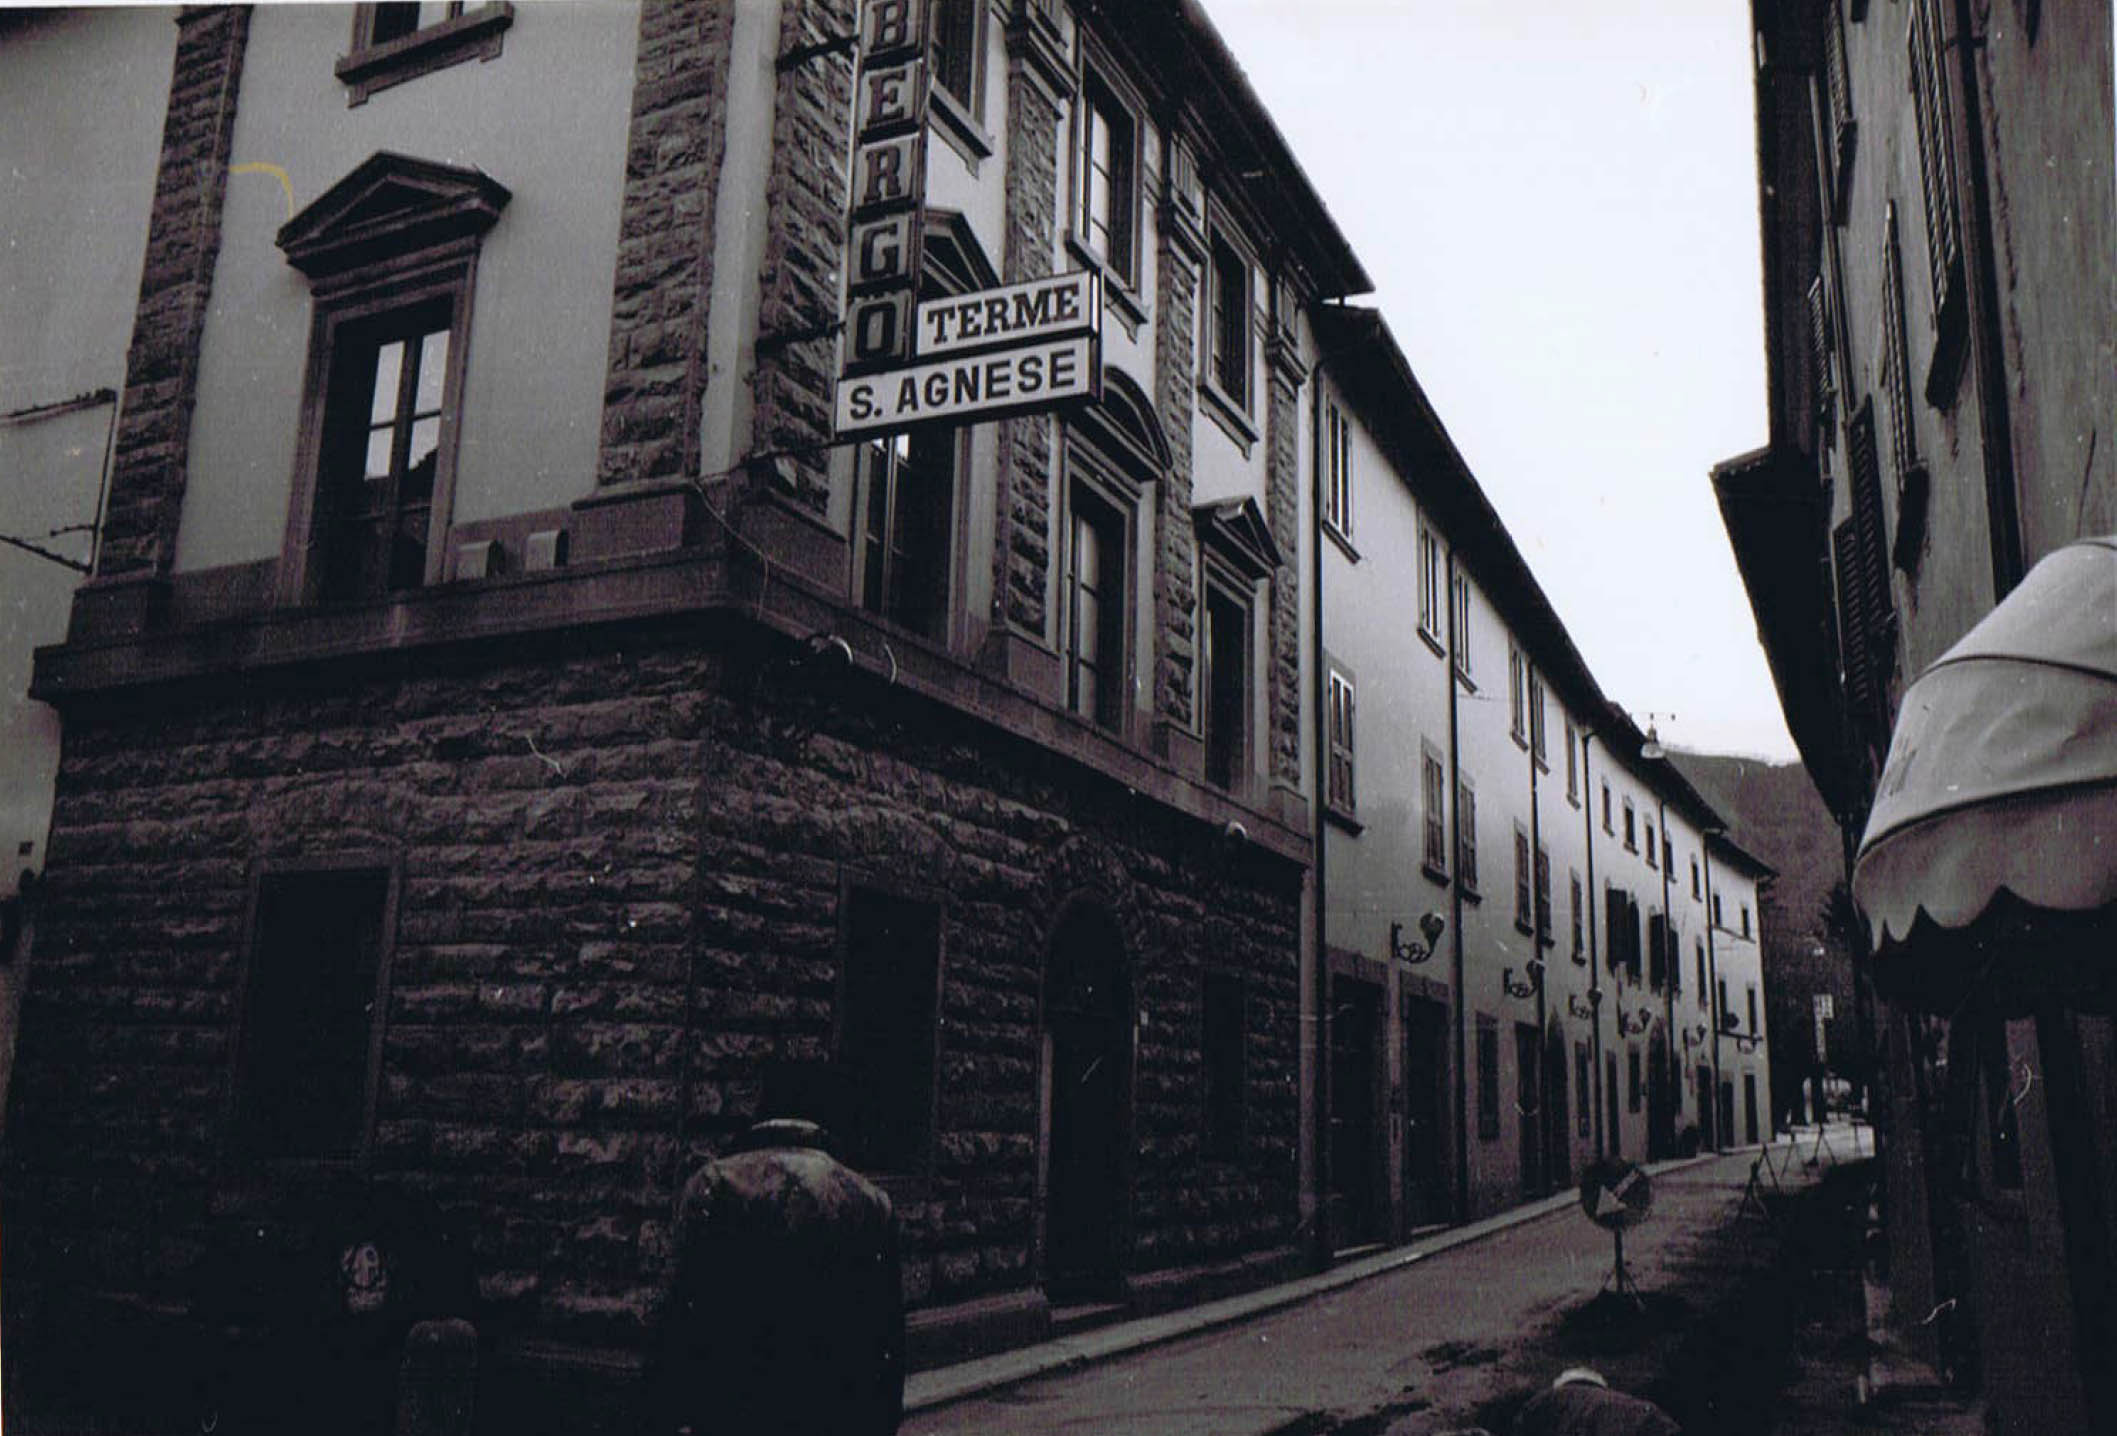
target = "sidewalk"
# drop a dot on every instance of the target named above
(927, 1390)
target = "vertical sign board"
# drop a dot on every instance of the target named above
(889, 184)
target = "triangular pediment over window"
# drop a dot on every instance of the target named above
(391, 205)
(1235, 530)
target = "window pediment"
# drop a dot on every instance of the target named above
(390, 205)
(1235, 531)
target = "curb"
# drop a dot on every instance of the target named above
(945, 1385)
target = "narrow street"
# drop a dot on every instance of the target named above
(1452, 1340)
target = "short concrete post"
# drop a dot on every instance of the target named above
(438, 1379)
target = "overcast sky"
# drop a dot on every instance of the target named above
(1557, 202)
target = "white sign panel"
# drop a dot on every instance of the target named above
(972, 386)
(1046, 308)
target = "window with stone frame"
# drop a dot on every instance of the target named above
(1524, 893)
(1631, 828)
(1224, 1057)
(1653, 848)
(1462, 627)
(906, 502)
(394, 42)
(1933, 115)
(1097, 560)
(1226, 684)
(1338, 499)
(1488, 1078)
(1606, 826)
(1106, 178)
(1230, 300)
(1537, 744)
(1434, 811)
(310, 1043)
(1340, 794)
(1429, 581)
(886, 1029)
(956, 52)
(1466, 835)
(382, 397)
(1910, 472)
(1518, 692)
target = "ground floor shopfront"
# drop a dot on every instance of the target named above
(583, 909)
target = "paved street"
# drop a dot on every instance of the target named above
(1420, 1349)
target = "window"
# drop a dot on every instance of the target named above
(1944, 246)
(1745, 919)
(1866, 605)
(1657, 949)
(1720, 1013)
(1668, 850)
(1719, 921)
(1338, 502)
(1227, 687)
(1653, 847)
(955, 48)
(1524, 913)
(1572, 763)
(1606, 827)
(396, 42)
(1752, 994)
(1694, 876)
(1631, 830)
(1340, 792)
(886, 1029)
(383, 392)
(1585, 1123)
(1543, 897)
(1229, 346)
(1701, 971)
(1466, 835)
(1518, 692)
(908, 493)
(1488, 1078)
(1835, 127)
(1537, 745)
(1107, 185)
(304, 1085)
(1632, 1079)
(1435, 792)
(1430, 582)
(1222, 1037)
(1462, 626)
(1095, 609)
(1580, 929)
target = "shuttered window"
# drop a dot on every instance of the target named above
(1932, 110)
(1859, 548)
(1835, 128)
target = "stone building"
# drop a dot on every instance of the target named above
(1514, 880)
(1935, 183)
(510, 742)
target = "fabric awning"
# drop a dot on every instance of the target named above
(2002, 771)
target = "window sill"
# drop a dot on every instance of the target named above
(1580, 957)
(1462, 676)
(1343, 818)
(1524, 928)
(1343, 540)
(1469, 891)
(473, 35)
(1228, 414)
(1428, 637)
(958, 128)
(1521, 740)
(1435, 873)
(1119, 296)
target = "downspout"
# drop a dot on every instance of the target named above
(1995, 423)
(1712, 996)
(1455, 899)
(1587, 806)
(1319, 1056)
(1538, 919)
(1673, 1075)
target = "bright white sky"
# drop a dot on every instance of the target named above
(1557, 202)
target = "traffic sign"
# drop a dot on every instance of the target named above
(1615, 1194)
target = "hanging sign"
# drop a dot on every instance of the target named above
(1034, 376)
(883, 241)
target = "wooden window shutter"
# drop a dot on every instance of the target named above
(1820, 354)
(1837, 90)
(1937, 182)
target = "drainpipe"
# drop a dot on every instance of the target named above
(1455, 899)
(1712, 995)
(1319, 1115)
(1587, 805)
(1536, 935)
(1673, 1075)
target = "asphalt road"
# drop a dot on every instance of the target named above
(1417, 1349)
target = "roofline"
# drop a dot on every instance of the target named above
(1719, 840)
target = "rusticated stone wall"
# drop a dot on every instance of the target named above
(657, 380)
(1282, 512)
(1176, 396)
(620, 864)
(176, 280)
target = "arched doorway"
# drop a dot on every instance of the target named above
(1087, 1066)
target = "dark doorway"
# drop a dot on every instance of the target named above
(1661, 1098)
(1749, 1105)
(1558, 1154)
(1705, 1108)
(1355, 1081)
(1425, 1134)
(1528, 1049)
(1613, 1129)
(1085, 1007)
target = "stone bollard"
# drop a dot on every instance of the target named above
(785, 1315)
(438, 1379)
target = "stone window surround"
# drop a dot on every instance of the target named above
(1341, 801)
(1233, 414)
(1121, 282)
(475, 33)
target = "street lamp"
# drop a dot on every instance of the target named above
(1430, 927)
(1530, 985)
